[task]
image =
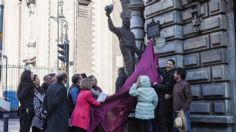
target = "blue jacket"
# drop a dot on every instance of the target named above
(146, 97)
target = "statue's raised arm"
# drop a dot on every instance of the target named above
(111, 26)
(126, 38)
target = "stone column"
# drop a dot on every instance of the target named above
(137, 21)
(30, 57)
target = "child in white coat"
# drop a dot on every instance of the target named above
(147, 101)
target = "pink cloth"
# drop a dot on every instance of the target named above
(114, 112)
(82, 113)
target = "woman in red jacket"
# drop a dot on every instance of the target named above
(81, 115)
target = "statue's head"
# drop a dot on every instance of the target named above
(126, 22)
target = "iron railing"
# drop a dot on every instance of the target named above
(10, 81)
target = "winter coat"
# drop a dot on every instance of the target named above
(26, 109)
(73, 93)
(57, 108)
(82, 113)
(166, 86)
(120, 81)
(26, 99)
(38, 102)
(44, 86)
(147, 99)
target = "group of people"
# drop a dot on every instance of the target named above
(52, 107)
(163, 107)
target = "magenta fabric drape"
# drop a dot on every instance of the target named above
(114, 112)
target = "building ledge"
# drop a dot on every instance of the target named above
(31, 61)
(212, 119)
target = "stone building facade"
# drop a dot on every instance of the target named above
(200, 36)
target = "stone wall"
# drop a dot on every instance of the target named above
(206, 50)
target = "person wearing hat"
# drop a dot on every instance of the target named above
(182, 98)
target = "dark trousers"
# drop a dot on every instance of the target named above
(164, 115)
(25, 121)
(78, 129)
(35, 129)
(145, 125)
(72, 129)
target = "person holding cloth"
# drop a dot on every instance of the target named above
(164, 89)
(81, 116)
(147, 101)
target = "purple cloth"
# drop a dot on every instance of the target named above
(114, 112)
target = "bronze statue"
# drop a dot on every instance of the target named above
(126, 39)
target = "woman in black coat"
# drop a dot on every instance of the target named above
(25, 95)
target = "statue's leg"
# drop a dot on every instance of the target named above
(129, 59)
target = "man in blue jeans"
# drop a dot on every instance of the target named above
(182, 97)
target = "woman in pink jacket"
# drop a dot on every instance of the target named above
(81, 115)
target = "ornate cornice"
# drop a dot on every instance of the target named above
(196, 14)
(30, 61)
(31, 44)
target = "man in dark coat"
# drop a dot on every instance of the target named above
(46, 82)
(56, 106)
(120, 81)
(164, 90)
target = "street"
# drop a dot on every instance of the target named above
(13, 125)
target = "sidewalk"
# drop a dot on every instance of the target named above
(13, 125)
